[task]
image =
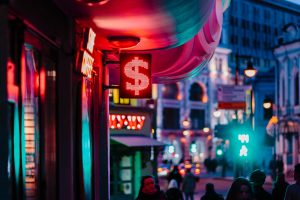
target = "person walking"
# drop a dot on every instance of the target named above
(189, 184)
(210, 193)
(293, 191)
(150, 191)
(173, 193)
(280, 186)
(174, 174)
(257, 179)
(240, 189)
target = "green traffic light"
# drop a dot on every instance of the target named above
(219, 152)
(243, 151)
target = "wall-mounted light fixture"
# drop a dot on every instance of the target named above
(123, 41)
(94, 2)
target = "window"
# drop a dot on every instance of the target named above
(296, 88)
(196, 92)
(197, 119)
(170, 91)
(254, 26)
(171, 118)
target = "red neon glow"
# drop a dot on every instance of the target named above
(127, 122)
(12, 89)
(42, 82)
(87, 64)
(36, 83)
(135, 76)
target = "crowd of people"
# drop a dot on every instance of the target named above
(240, 189)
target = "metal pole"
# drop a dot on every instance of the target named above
(104, 156)
(237, 69)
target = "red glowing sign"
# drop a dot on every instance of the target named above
(127, 122)
(135, 76)
(86, 64)
(86, 59)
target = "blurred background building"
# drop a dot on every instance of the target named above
(285, 129)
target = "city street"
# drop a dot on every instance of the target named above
(103, 99)
(221, 184)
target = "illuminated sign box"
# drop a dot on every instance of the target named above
(126, 121)
(123, 120)
(89, 40)
(86, 60)
(135, 76)
(86, 63)
(232, 97)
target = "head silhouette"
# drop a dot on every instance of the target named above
(173, 184)
(148, 185)
(257, 177)
(240, 190)
(210, 188)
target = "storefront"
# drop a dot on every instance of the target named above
(133, 150)
(58, 135)
(31, 80)
(41, 127)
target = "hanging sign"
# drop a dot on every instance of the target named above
(135, 76)
(232, 97)
(86, 59)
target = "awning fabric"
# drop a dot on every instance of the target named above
(136, 141)
(180, 35)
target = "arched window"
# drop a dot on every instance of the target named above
(170, 91)
(296, 88)
(196, 92)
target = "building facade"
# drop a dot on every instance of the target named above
(185, 112)
(57, 62)
(252, 28)
(287, 107)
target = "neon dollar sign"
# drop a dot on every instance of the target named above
(131, 70)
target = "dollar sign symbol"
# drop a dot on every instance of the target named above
(131, 70)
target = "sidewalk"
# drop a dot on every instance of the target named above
(229, 176)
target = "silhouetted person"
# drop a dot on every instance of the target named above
(224, 165)
(279, 164)
(272, 167)
(173, 193)
(293, 191)
(240, 190)
(210, 193)
(214, 165)
(189, 184)
(174, 174)
(150, 191)
(280, 186)
(257, 179)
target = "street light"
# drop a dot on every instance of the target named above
(186, 123)
(217, 113)
(267, 103)
(250, 71)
